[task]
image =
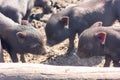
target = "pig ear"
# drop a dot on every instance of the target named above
(101, 36)
(65, 21)
(97, 24)
(21, 35)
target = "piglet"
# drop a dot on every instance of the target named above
(100, 41)
(16, 38)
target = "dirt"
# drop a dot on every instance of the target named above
(57, 53)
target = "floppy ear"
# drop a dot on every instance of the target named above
(97, 24)
(101, 36)
(65, 21)
(21, 36)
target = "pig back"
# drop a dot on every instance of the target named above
(5, 21)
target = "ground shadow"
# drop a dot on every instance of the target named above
(74, 61)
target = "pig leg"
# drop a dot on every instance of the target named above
(27, 15)
(36, 16)
(107, 60)
(46, 5)
(116, 63)
(47, 10)
(115, 58)
(1, 53)
(22, 58)
(13, 56)
(71, 44)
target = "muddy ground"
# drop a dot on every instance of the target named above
(56, 53)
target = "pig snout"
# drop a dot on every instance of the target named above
(43, 51)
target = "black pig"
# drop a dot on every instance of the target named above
(20, 9)
(74, 19)
(100, 41)
(21, 39)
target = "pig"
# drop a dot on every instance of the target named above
(74, 19)
(100, 41)
(20, 9)
(16, 38)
